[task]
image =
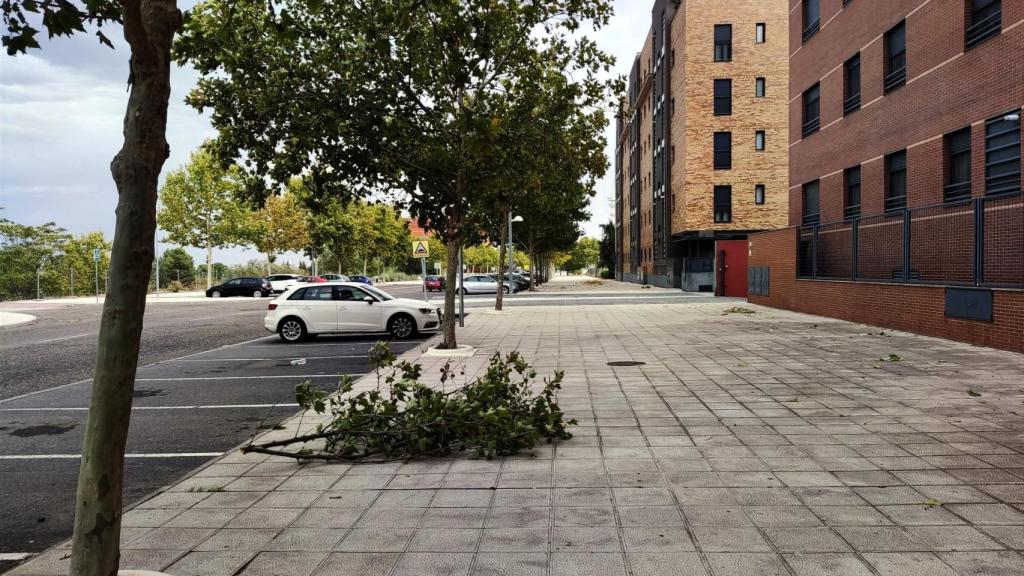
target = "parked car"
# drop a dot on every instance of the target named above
(335, 278)
(520, 282)
(482, 284)
(255, 287)
(361, 279)
(434, 283)
(311, 279)
(282, 282)
(338, 307)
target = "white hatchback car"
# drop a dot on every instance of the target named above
(339, 307)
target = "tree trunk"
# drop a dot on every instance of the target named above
(533, 270)
(503, 238)
(364, 265)
(453, 240)
(149, 27)
(270, 262)
(209, 266)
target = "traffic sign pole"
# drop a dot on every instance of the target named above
(423, 269)
(96, 266)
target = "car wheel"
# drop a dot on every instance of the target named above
(505, 290)
(464, 291)
(215, 294)
(402, 326)
(257, 293)
(292, 330)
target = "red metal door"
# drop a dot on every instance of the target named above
(731, 264)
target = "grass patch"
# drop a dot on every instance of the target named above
(205, 489)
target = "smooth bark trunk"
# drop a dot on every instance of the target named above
(209, 266)
(149, 27)
(453, 240)
(501, 260)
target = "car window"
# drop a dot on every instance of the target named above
(347, 294)
(234, 282)
(298, 294)
(319, 293)
(380, 294)
(359, 294)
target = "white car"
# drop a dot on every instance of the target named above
(339, 307)
(481, 284)
(282, 282)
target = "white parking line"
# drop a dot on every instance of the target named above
(244, 377)
(268, 359)
(76, 456)
(193, 407)
(63, 338)
(15, 556)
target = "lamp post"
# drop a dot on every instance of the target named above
(511, 259)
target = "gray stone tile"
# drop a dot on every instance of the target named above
(362, 482)
(986, 563)
(462, 498)
(765, 516)
(265, 518)
(453, 518)
(522, 497)
(210, 563)
(988, 513)
(585, 516)
(289, 498)
(346, 499)
(747, 564)
(954, 538)
(375, 540)
(909, 564)
(444, 540)
(666, 564)
(231, 500)
(511, 564)
(585, 539)
(587, 564)
(582, 497)
(357, 564)
(920, 515)
(238, 539)
(646, 516)
(727, 539)
(283, 564)
(642, 497)
(880, 539)
(830, 564)
(153, 560)
(514, 540)
(203, 518)
(170, 539)
(327, 518)
(657, 539)
(306, 539)
(851, 515)
(517, 517)
(391, 518)
(1011, 536)
(308, 483)
(716, 516)
(148, 517)
(806, 540)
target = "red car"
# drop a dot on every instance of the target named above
(312, 279)
(434, 283)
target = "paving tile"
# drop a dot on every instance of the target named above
(587, 564)
(238, 539)
(909, 564)
(657, 539)
(170, 539)
(1011, 536)
(511, 564)
(306, 539)
(532, 517)
(719, 539)
(289, 498)
(283, 564)
(231, 500)
(880, 538)
(375, 540)
(988, 513)
(514, 540)
(851, 515)
(831, 564)
(805, 540)
(716, 516)
(327, 518)
(358, 564)
(265, 518)
(986, 563)
(666, 564)
(765, 516)
(152, 560)
(210, 563)
(444, 540)
(747, 564)
(148, 517)
(644, 516)
(346, 499)
(585, 539)
(462, 498)
(955, 538)
(453, 518)
(522, 497)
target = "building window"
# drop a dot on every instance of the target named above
(723, 204)
(851, 88)
(723, 97)
(723, 150)
(1002, 154)
(811, 110)
(896, 57)
(759, 140)
(723, 42)
(759, 87)
(851, 181)
(759, 194)
(984, 21)
(958, 175)
(812, 18)
(812, 204)
(896, 181)
(759, 33)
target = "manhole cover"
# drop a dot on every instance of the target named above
(626, 363)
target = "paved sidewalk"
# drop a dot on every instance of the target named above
(746, 444)
(589, 284)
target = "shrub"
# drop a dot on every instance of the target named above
(175, 286)
(495, 415)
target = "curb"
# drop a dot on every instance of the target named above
(11, 319)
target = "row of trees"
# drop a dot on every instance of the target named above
(471, 109)
(48, 260)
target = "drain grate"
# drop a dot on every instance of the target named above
(626, 363)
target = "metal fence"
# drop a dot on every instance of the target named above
(973, 242)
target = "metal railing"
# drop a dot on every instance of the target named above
(895, 79)
(983, 30)
(971, 242)
(851, 104)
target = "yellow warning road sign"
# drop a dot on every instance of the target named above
(420, 249)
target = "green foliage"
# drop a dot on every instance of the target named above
(480, 258)
(176, 265)
(279, 226)
(62, 257)
(496, 415)
(58, 17)
(584, 255)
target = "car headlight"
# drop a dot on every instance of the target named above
(427, 310)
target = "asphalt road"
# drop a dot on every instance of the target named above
(210, 377)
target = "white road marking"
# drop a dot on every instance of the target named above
(244, 377)
(47, 341)
(62, 386)
(268, 359)
(192, 407)
(15, 556)
(77, 456)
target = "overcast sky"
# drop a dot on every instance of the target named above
(61, 111)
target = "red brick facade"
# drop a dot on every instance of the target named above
(910, 308)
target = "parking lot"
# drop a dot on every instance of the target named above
(187, 410)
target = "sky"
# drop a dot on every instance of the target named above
(61, 115)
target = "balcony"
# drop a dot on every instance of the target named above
(895, 203)
(956, 192)
(811, 219)
(852, 211)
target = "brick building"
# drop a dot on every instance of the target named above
(701, 156)
(905, 173)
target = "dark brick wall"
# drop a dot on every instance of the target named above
(947, 89)
(912, 308)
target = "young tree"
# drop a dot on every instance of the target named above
(149, 27)
(400, 94)
(606, 253)
(177, 266)
(279, 226)
(584, 254)
(199, 206)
